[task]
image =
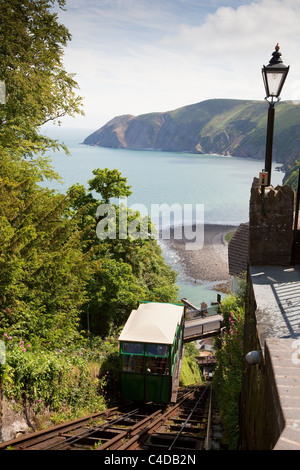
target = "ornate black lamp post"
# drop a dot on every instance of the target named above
(274, 75)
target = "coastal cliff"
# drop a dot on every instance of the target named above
(218, 126)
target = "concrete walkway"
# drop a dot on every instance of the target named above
(277, 296)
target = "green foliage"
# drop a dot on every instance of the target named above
(190, 371)
(42, 284)
(113, 292)
(62, 381)
(229, 236)
(38, 89)
(292, 175)
(68, 382)
(43, 271)
(109, 183)
(228, 374)
(126, 269)
(232, 306)
(55, 272)
(110, 372)
(53, 267)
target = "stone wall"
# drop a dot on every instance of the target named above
(12, 423)
(270, 403)
(271, 225)
(15, 422)
(261, 417)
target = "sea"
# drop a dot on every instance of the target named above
(214, 188)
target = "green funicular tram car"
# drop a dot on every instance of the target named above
(151, 352)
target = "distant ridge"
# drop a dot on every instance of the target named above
(218, 126)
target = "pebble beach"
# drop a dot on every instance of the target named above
(209, 263)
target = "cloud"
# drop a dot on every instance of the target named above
(137, 57)
(247, 29)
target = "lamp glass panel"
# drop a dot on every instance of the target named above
(274, 81)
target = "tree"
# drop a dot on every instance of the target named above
(42, 268)
(52, 265)
(113, 292)
(292, 175)
(38, 89)
(43, 271)
(109, 184)
(128, 268)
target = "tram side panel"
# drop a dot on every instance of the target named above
(145, 375)
(148, 370)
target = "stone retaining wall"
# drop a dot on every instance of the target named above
(270, 397)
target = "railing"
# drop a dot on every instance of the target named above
(204, 310)
(202, 328)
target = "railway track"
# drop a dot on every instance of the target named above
(185, 426)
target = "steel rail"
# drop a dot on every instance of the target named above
(188, 418)
(89, 432)
(134, 434)
(132, 443)
(207, 442)
(116, 442)
(43, 435)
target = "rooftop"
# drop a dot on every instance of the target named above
(153, 322)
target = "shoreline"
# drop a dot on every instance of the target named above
(209, 263)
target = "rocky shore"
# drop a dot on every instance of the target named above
(209, 263)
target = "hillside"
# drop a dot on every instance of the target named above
(219, 126)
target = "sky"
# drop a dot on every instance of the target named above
(142, 56)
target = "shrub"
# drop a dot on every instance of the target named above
(68, 382)
(228, 374)
(190, 371)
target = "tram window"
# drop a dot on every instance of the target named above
(157, 365)
(132, 348)
(132, 364)
(156, 350)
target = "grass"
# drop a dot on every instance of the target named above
(229, 236)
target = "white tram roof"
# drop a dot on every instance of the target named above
(153, 323)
